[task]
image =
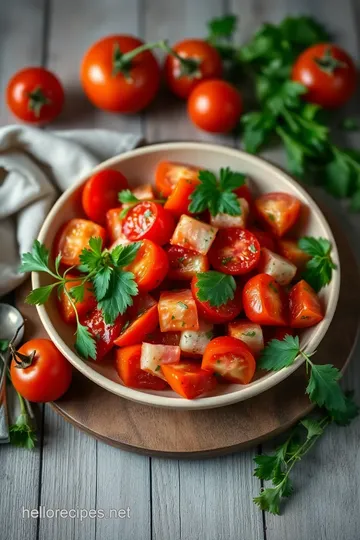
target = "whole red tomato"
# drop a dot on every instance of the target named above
(35, 95)
(48, 374)
(329, 74)
(215, 106)
(202, 61)
(114, 82)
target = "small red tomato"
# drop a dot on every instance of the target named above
(235, 251)
(278, 211)
(328, 73)
(100, 194)
(188, 379)
(141, 318)
(150, 266)
(215, 106)
(104, 334)
(48, 375)
(231, 358)
(73, 237)
(305, 306)
(220, 314)
(115, 84)
(168, 174)
(87, 304)
(185, 263)
(35, 95)
(148, 220)
(203, 62)
(265, 302)
(179, 200)
(127, 364)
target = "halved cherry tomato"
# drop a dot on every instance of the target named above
(100, 194)
(305, 306)
(150, 266)
(230, 358)
(235, 251)
(179, 200)
(278, 211)
(177, 311)
(244, 193)
(142, 317)
(193, 234)
(87, 304)
(221, 314)
(291, 251)
(265, 239)
(149, 220)
(114, 227)
(188, 379)
(265, 302)
(163, 338)
(127, 363)
(73, 237)
(168, 174)
(328, 73)
(105, 334)
(207, 65)
(185, 263)
(248, 332)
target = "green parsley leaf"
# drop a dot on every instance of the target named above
(323, 388)
(215, 287)
(126, 196)
(40, 295)
(313, 427)
(343, 418)
(124, 255)
(85, 343)
(216, 196)
(304, 31)
(222, 27)
(269, 499)
(118, 297)
(101, 282)
(266, 466)
(279, 353)
(22, 433)
(318, 270)
(91, 257)
(256, 128)
(37, 260)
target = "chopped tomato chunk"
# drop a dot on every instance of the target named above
(265, 302)
(155, 356)
(230, 358)
(184, 263)
(193, 234)
(177, 311)
(114, 227)
(163, 338)
(278, 211)
(141, 318)
(105, 334)
(305, 306)
(179, 200)
(188, 379)
(127, 363)
(291, 251)
(264, 238)
(168, 174)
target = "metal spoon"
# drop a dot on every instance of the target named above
(10, 322)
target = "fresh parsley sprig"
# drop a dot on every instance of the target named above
(215, 287)
(277, 467)
(127, 198)
(319, 268)
(103, 269)
(23, 433)
(217, 195)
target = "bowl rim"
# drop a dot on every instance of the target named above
(158, 400)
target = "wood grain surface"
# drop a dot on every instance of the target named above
(170, 499)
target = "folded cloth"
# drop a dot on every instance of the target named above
(35, 166)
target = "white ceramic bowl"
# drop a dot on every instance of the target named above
(139, 166)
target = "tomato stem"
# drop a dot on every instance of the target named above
(328, 63)
(37, 100)
(122, 61)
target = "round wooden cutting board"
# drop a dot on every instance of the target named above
(199, 434)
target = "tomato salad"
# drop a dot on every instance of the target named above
(209, 274)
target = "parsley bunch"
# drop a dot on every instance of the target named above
(323, 389)
(281, 113)
(102, 269)
(215, 195)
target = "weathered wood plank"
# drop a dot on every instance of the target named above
(19, 469)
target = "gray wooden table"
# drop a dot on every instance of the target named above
(168, 499)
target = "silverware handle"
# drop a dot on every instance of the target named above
(4, 420)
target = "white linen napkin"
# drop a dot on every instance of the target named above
(36, 165)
